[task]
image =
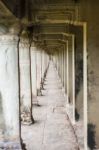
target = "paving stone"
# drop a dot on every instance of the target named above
(52, 129)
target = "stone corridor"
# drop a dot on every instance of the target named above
(49, 106)
(52, 129)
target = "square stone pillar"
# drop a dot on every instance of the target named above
(43, 63)
(73, 75)
(43, 68)
(62, 66)
(25, 83)
(38, 61)
(58, 63)
(67, 81)
(34, 73)
(65, 73)
(9, 93)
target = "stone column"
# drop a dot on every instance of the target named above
(70, 69)
(25, 83)
(65, 69)
(67, 73)
(43, 67)
(43, 63)
(42, 77)
(38, 73)
(54, 59)
(57, 60)
(85, 88)
(58, 63)
(62, 67)
(46, 62)
(73, 75)
(9, 93)
(34, 73)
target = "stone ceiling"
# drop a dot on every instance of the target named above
(50, 20)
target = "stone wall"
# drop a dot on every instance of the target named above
(89, 12)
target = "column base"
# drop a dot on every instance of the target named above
(42, 85)
(11, 146)
(39, 92)
(35, 101)
(26, 118)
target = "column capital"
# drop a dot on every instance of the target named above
(33, 44)
(33, 47)
(24, 43)
(8, 38)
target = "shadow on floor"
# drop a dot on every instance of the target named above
(37, 121)
(37, 105)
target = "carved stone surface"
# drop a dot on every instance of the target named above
(9, 93)
(26, 118)
(10, 146)
(25, 84)
(9, 39)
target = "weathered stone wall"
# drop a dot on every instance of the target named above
(89, 12)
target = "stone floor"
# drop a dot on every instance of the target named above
(52, 129)
(78, 126)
